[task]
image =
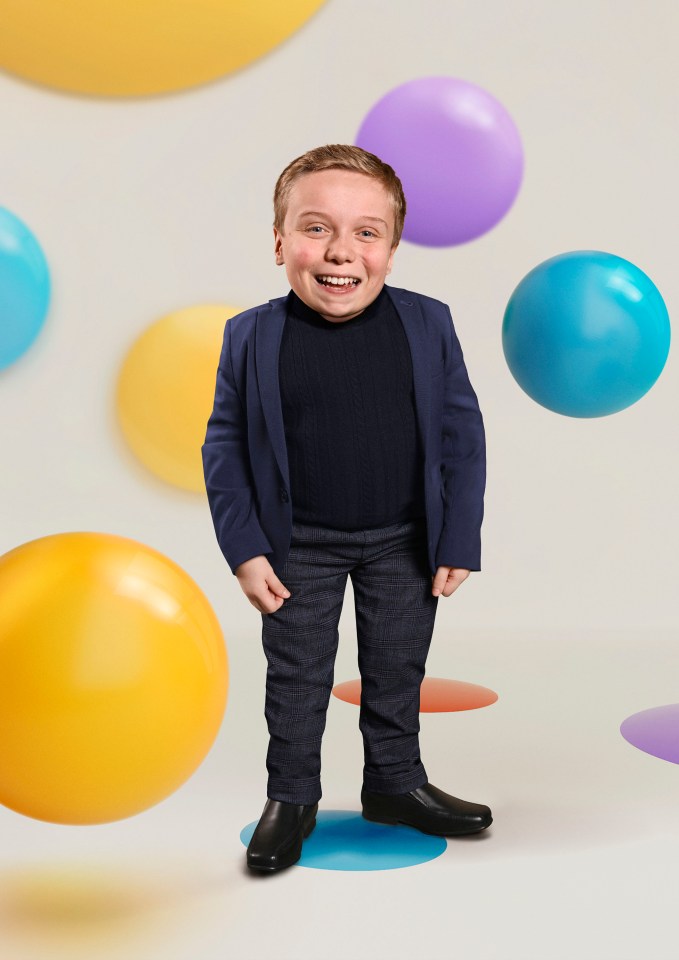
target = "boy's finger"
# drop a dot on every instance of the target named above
(279, 589)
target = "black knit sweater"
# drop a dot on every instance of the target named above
(354, 449)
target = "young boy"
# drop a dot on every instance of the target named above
(345, 440)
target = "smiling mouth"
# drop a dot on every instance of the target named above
(337, 283)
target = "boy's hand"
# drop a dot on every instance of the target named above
(447, 580)
(260, 584)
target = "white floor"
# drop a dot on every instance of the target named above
(579, 862)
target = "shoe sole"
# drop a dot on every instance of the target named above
(266, 869)
(394, 821)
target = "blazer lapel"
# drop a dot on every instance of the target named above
(268, 336)
(409, 310)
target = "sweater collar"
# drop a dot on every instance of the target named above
(301, 309)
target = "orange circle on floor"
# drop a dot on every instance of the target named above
(437, 694)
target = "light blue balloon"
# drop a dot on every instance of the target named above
(24, 288)
(586, 333)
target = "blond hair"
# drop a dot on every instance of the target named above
(340, 156)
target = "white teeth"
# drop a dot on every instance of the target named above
(338, 281)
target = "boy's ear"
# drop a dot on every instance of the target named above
(391, 258)
(278, 246)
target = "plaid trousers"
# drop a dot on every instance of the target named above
(395, 613)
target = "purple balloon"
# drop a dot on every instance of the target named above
(655, 731)
(457, 152)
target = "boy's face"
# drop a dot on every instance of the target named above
(340, 224)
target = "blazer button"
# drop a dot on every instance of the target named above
(284, 495)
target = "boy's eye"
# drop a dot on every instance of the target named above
(369, 232)
(314, 228)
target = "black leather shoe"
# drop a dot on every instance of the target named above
(277, 840)
(427, 809)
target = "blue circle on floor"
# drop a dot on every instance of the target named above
(344, 840)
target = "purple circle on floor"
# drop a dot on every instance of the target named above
(655, 731)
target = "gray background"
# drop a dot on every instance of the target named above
(146, 206)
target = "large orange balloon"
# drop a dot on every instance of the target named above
(113, 677)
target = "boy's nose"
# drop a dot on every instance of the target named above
(339, 248)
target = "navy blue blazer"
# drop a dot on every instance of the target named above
(245, 459)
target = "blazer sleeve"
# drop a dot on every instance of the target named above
(227, 472)
(463, 464)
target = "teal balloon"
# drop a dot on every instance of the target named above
(586, 333)
(24, 288)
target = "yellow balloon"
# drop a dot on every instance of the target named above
(113, 678)
(166, 390)
(140, 47)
